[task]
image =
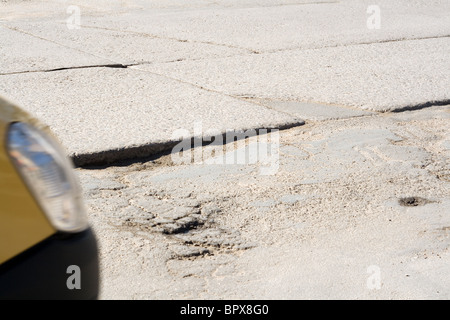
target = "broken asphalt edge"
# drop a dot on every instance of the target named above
(423, 105)
(154, 150)
(145, 152)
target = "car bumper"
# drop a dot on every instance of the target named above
(43, 272)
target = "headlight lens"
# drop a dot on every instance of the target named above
(49, 176)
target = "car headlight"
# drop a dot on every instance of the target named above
(49, 176)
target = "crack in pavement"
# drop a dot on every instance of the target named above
(152, 151)
(355, 44)
(111, 157)
(138, 153)
(254, 51)
(251, 98)
(423, 105)
(153, 36)
(112, 65)
(272, 5)
(52, 41)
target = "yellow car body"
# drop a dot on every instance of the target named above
(22, 222)
(36, 259)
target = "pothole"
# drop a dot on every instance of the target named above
(413, 201)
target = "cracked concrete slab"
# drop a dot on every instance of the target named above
(182, 41)
(374, 77)
(103, 115)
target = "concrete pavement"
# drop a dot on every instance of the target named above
(103, 115)
(243, 59)
(358, 209)
(379, 77)
(357, 206)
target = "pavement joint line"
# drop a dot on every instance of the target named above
(290, 4)
(251, 51)
(263, 102)
(200, 87)
(251, 100)
(272, 6)
(354, 44)
(153, 151)
(256, 101)
(54, 42)
(415, 107)
(254, 51)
